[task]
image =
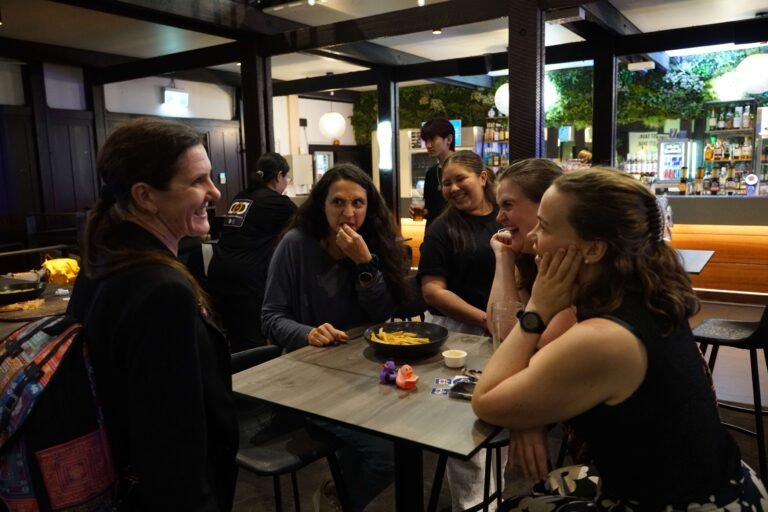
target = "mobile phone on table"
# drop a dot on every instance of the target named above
(462, 390)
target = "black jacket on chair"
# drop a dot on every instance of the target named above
(162, 374)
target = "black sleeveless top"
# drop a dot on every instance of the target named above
(665, 443)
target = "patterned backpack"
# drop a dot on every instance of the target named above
(54, 454)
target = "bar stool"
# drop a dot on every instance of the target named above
(499, 442)
(752, 336)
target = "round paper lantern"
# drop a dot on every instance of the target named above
(501, 99)
(752, 72)
(332, 125)
(728, 86)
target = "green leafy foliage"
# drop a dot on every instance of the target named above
(649, 97)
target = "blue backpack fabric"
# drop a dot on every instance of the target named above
(54, 452)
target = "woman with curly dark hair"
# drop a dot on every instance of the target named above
(629, 376)
(338, 266)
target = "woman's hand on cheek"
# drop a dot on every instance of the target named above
(553, 290)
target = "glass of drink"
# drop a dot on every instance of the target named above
(504, 318)
(417, 206)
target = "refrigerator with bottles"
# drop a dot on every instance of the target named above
(761, 152)
(674, 155)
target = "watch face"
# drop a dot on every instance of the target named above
(531, 322)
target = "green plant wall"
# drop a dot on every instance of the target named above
(648, 97)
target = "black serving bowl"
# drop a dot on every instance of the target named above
(437, 335)
(17, 292)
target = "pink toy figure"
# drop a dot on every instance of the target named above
(406, 379)
(388, 372)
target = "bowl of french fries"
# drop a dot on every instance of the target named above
(404, 340)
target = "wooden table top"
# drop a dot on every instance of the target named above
(53, 305)
(341, 384)
(694, 261)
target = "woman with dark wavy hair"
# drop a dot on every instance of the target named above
(337, 267)
(629, 376)
(162, 369)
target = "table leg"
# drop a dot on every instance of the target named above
(409, 477)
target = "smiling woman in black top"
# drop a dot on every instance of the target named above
(161, 367)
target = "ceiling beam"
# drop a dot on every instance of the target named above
(745, 31)
(372, 55)
(38, 52)
(224, 19)
(324, 83)
(406, 21)
(426, 71)
(192, 59)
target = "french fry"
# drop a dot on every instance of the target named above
(398, 338)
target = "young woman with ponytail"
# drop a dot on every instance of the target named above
(161, 368)
(628, 375)
(237, 275)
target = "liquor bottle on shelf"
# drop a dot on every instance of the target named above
(718, 152)
(721, 120)
(682, 187)
(737, 114)
(714, 183)
(698, 186)
(746, 120)
(729, 119)
(709, 152)
(706, 182)
(730, 182)
(746, 149)
(712, 123)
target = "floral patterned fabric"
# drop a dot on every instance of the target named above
(577, 488)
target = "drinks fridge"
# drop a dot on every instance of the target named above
(677, 159)
(761, 152)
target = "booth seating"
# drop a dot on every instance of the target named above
(744, 335)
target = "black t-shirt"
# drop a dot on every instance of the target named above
(469, 274)
(248, 239)
(434, 201)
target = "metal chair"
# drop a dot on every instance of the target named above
(499, 442)
(274, 443)
(751, 336)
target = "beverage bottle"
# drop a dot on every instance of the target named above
(746, 150)
(698, 187)
(709, 152)
(730, 182)
(714, 184)
(737, 117)
(682, 187)
(746, 122)
(721, 120)
(712, 122)
(729, 119)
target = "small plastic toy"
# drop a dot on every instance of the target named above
(388, 372)
(406, 379)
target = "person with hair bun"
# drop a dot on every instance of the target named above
(161, 368)
(629, 375)
(237, 275)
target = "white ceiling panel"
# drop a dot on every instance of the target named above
(652, 15)
(332, 11)
(294, 66)
(47, 22)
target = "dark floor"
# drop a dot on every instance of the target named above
(732, 381)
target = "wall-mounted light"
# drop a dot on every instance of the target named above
(310, 2)
(175, 96)
(1, 18)
(421, 3)
(437, 31)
